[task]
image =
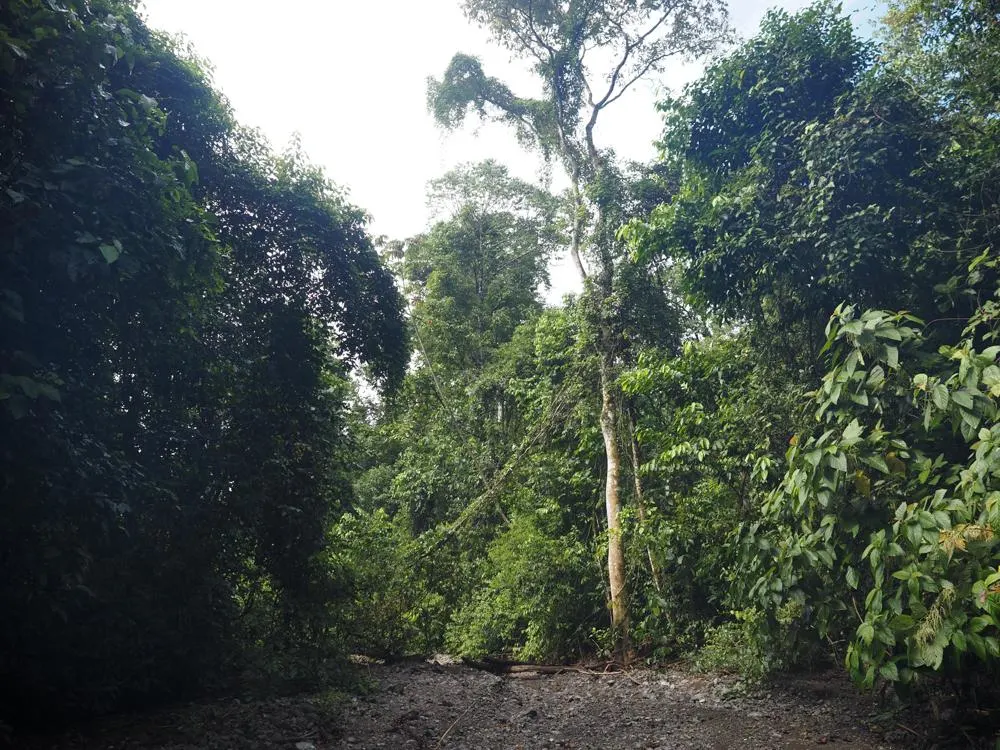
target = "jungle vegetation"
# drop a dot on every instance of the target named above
(240, 440)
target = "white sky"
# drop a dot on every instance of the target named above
(350, 77)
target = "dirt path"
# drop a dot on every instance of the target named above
(450, 706)
(426, 706)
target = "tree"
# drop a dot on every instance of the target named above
(472, 280)
(947, 53)
(180, 306)
(560, 39)
(810, 176)
(474, 277)
(451, 445)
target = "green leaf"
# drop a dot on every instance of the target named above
(889, 671)
(991, 379)
(852, 577)
(888, 333)
(854, 328)
(940, 396)
(852, 432)
(860, 398)
(958, 640)
(110, 252)
(980, 623)
(866, 632)
(931, 654)
(892, 357)
(851, 363)
(876, 462)
(970, 419)
(941, 519)
(962, 398)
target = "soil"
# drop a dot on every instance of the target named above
(442, 704)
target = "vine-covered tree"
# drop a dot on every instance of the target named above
(472, 280)
(561, 40)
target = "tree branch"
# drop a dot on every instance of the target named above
(630, 47)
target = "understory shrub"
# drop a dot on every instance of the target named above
(882, 529)
(540, 601)
(391, 612)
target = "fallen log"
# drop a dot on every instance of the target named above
(503, 666)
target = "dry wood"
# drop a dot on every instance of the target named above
(502, 666)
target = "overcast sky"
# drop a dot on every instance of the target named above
(350, 77)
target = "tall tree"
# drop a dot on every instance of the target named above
(474, 277)
(178, 307)
(809, 177)
(949, 55)
(561, 39)
(471, 280)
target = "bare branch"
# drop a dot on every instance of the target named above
(590, 91)
(526, 43)
(630, 47)
(640, 73)
(529, 14)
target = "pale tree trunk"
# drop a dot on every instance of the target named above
(609, 420)
(576, 238)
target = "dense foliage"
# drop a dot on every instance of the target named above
(818, 180)
(181, 308)
(764, 435)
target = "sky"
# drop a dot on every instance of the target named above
(350, 77)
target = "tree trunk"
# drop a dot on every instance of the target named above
(579, 217)
(609, 420)
(612, 502)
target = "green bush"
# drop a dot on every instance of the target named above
(735, 647)
(541, 601)
(688, 545)
(883, 527)
(713, 425)
(392, 611)
(746, 644)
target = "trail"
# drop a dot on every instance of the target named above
(432, 705)
(429, 706)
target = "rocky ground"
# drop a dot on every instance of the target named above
(429, 705)
(438, 706)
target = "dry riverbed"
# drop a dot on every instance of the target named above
(428, 705)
